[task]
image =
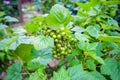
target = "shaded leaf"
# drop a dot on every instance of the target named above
(62, 74)
(90, 64)
(38, 75)
(112, 68)
(77, 73)
(13, 72)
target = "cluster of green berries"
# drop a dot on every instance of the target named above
(63, 40)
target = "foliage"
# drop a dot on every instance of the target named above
(94, 44)
(45, 6)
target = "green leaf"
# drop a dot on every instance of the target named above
(35, 65)
(81, 37)
(42, 42)
(94, 31)
(93, 3)
(2, 56)
(11, 19)
(92, 12)
(45, 53)
(31, 27)
(62, 74)
(89, 5)
(90, 64)
(5, 43)
(75, 70)
(3, 26)
(111, 2)
(40, 58)
(34, 24)
(74, 53)
(21, 40)
(92, 46)
(112, 68)
(19, 31)
(85, 6)
(83, 45)
(77, 73)
(2, 14)
(78, 29)
(14, 42)
(113, 48)
(59, 15)
(38, 75)
(87, 46)
(109, 38)
(13, 72)
(24, 52)
(94, 56)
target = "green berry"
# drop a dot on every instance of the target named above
(54, 36)
(55, 56)
(58, 36)
(58, 45)
(56, 40)
(63, 33)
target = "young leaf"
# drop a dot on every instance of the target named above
(13, 72)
